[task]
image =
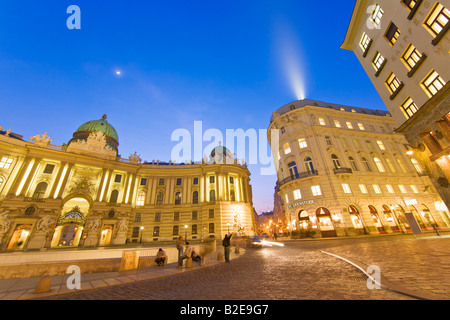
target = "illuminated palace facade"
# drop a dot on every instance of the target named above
(343, 171)
(82, 194)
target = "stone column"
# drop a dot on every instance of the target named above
(29, 179)
(64, 183)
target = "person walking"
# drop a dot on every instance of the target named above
(187, 255)
(227, 246)
(180, 246)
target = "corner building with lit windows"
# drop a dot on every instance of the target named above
(342, 171)
(404, 47)
(83, 195)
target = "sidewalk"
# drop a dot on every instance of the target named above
(23, 289)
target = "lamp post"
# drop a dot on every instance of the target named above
(185, 232)
(228, 225)
(142, 230)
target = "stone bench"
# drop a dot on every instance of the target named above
(148, 261)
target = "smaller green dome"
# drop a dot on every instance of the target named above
(220, 150)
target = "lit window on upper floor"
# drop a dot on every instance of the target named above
(410, 3)
(378, 62)
(408, 108)
(392, 34)
(437, 22)
(393, 84)
(297, 194)
(287, 148)
(349, 125)
(365, 43)
(411, 57)
(322, 122)
(414, 189)
(361, 126)
(302, 143)
(402, 188)
(316, 191)
(6, 162)
(376, 188)
(390, 188)
(376, 15)
(337, 124)
(381, 145)
(432, 83)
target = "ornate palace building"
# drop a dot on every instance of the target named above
(404, 47)
(343, 171)
(83, 194)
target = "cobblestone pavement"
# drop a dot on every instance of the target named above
(418, 266)
(271, 273)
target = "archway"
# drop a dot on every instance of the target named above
(356, 220)
(376, 218)
(388, 216)
(70, 225)
(417, 216)
(325, 222)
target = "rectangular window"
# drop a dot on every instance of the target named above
(346, 188)
(376, 188)
(161, 182)
(194, 215)
(392, 34)
(393, 83)
(49, 168)
(211, 213)
(6, 162)
(414, 189)
(432, 83)
(402, 188)
(211, 228)
(297, 194)
(286, 198)
(118, 178)
(195, 181)
(376, 15)
(378, 61)
(137, 217)
(212, 179)
(411, 57)
(365, 43)
(302, 143)
(135, 233)
(156, 231)
(363, 188)
(349, 125)
(337, 124)
(381, 145)
(287, 148)
(361, 126)
(158, 217)
(143, 181)
(410, 3)
(194, 229)
(316, 190)
(437, 20)
(328, 140)
(390, 188)
(322, 122)
(179, 180)
(176, 216)
(140, 200)
(408, 108)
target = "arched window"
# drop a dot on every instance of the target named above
(336, 162)
(379, 164)
(1, 181)
(309, 166)
(366, 164)
(353, 164)
(293, 170)
(39, 192)
(114, 196)
(232, 195)
(178, 198)
(159, 198)
(212, 195)
(195, 197)
(390, 165)
(140, 198)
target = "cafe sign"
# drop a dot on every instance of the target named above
(297, 204)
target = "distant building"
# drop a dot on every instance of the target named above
(83, 194)
(404, 48)
(343, 171)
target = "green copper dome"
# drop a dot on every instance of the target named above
(220, 150)
(112, 138)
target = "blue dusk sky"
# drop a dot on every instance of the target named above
(229, 64)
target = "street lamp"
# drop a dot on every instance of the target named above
(228, 225)
(142, 230)
(185, 232)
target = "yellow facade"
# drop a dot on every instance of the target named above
(84, 195)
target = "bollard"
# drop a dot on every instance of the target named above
(237, 249)
(220, 256)
(189, 263)
(44, 284)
